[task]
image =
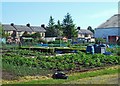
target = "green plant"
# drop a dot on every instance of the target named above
(65, 62)
(100, 40)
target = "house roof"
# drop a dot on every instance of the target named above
(22, 28)
(8, 27)
(114, 21)
(84, 31)
(37, 29)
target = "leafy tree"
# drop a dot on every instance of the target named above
(90, 28)
(25, 34)
(68, 27)
(0, 30)
(36, 35)
(3, 34)
(50, 31)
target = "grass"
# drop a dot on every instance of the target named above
(24, 71)
(74, 76)
(102, 79)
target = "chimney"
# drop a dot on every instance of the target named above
(12, 24)
(28, 25)
(78, 28)
(43, 25)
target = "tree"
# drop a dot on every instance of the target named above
(25, 34)
(36, 35)
(99, 40)
(3, 34)
(68, 27)
(58, 28)
(50, 31)
(0, 29)
(90, 28)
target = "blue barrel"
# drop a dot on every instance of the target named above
(95, 47)
(90, 49)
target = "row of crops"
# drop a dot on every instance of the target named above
(65, 62)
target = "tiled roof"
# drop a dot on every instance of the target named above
(22, 28)
(84, 31)
(8, 27)
(37, 29)
(114, 21)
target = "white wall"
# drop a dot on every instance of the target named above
(104, 33)
(48, 39)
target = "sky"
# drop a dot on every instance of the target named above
(84, 14)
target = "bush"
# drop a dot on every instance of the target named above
(118, 52)
(100, 40)
(42, 41)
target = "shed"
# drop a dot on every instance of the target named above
(109, 30)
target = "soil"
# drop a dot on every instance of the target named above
(8, 76)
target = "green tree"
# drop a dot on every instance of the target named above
(58, 27)
(0, 30)
(36, 35)
(99, 40)
(69, 29)
(50, 30)
(25, 34)
(90, 28)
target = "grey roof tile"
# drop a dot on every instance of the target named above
(114, 21)
(22, 28)
(7, 27)
(84, 31)
(37, 29)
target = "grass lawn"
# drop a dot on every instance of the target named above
(72, 77)
(102, 79)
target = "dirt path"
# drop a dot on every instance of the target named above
(104, 79)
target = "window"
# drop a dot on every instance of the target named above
(86, 35)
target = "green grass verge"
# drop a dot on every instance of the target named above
(76, 76)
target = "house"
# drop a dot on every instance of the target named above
(8, 29)
(18, 30)
(41, 30)
(85, 35)
(109, 30)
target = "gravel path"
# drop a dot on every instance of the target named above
(104, 79)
